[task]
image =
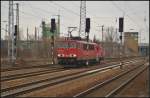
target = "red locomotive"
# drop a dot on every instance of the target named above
(78, 51)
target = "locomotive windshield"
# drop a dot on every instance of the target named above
(65, 45)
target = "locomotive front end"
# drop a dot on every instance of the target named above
(66, 52)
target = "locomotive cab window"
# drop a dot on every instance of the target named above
(85, 46)
(91, 47)
(71, 45)
(61, 45)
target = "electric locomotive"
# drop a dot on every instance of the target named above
(78, 52)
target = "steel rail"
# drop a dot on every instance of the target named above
(26, 67)
(39, 66)
(21, 89)
(23, 75)
(119, 88)
(88, 91)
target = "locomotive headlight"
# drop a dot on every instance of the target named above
(59, 55)
(74, 55)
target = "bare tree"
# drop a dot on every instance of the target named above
(111, 39)
(111, 35)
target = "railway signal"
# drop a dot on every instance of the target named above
(15, 35)
(53, 25)
(121, 25)
(53, 29)
(87, 29)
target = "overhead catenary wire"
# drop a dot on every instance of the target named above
(25, 13)
(69, 10)
(125, 13)
(45, 11)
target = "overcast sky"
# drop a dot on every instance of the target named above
(100, 12)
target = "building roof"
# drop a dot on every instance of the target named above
(143, 44)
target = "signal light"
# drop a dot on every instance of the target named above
(15, 41)
(120, 37)
(15, 35)
(43, 22)
(87, 29)
(52, 37)
(53, 25)
(121, 24)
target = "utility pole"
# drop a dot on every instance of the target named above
(17, 31)
(35, 34)
(82, 18)
(102, 33)
(38, 34)
(27, 36)
(17, 20)
(58, 25)
(11, 30)
(35, 41)
(8, 35)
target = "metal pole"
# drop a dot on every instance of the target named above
(58, 25)
(102, 34)
(27, 37)
(35, 34)
(82, 18)
(13, 56)
(52, 47)
(17, 23)
(11, 29)
(7, 41)
(17, 18)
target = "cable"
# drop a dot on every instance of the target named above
(69, 10)
(40, 9)
(66, 9)
(25, 12)
(124, 12)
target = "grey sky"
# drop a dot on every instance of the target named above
(100, 12)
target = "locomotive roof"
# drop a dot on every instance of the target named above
(79, 41)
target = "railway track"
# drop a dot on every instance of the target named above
(25, 88)
(28, 74)
(23, 75)
(41, 66)
(112, 86)
(26, 67)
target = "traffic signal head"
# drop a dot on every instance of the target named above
(15, 41)
(15, 33)
(121, 24)
(120, 37)
(53, 25)
(87, 28)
